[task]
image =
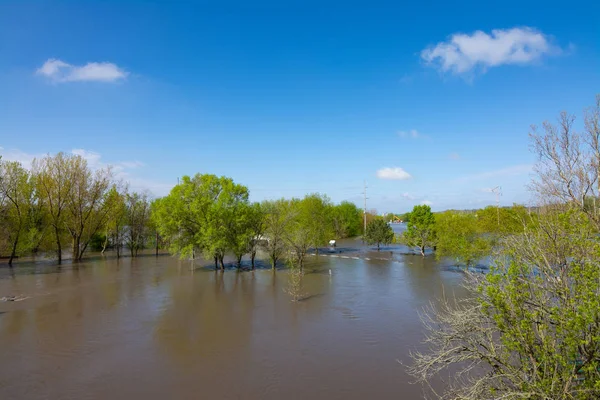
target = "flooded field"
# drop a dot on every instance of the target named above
(161, 328)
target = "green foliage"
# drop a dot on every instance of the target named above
(347, 220)
(276, 219)
(16, 206)
(460, 237)
(379, 232)
(420, 231)
(309, 225)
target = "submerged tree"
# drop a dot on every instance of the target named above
(420, 230)
(379, 232)
(54, 182)
(276, 219)
(460, 238)
(16, 202)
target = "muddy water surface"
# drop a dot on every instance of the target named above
(156, 328)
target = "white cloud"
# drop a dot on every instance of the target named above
(427, 203)
(395, 173)
(17, 155)
(408, 196)
(59, 71)
(464, 53)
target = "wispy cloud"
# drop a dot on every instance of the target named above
(427, 202)
(412, 134)
(479, 51)
(122, 170)
(454, 156)
(515, 170)
(394, 173)
(58, 71)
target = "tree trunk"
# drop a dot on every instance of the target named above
(221, 262)
(239, 262)
(76, 256)
(216, 263)
(252, 256)
(104, 245)
(422, 248)
(13, 253)
(157, 243)
(377, 246)
(273, 261)
(58, 247)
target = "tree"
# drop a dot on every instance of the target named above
(137, 217)
(116, 221)
(87, 203)
(347, 220)
(256, 229)
(226, 225)
(54, 181)
(16, 197)
(379, 232)
(568, 166)
(420, 231)
(179, 216)
(459, 237)
(276, 219)
(530, 328)
(298, 234)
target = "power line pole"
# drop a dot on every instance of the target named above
(365, 209)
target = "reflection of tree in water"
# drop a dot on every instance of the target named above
(210, 315)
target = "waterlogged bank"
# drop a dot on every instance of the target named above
(154, 328)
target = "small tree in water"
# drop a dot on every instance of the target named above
(420, 231)
(379, 232)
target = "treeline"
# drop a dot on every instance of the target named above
(62, 204)
(465, 236)
(212, 216)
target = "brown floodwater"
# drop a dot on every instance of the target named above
(160, 328)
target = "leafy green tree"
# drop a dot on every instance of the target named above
(87, 205)
(54, 182)
(137, 217)
(277, 218)
(16, 198)
(501, 221)
(116, 221)
(420, 231)
(379, 232)
(460, 237)
(180, 215)
(347, 220)
(227, 223)
(256, 226)
(309, 226)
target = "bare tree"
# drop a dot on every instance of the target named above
(568, 169)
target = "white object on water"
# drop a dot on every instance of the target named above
(329, 272)
(332, 242)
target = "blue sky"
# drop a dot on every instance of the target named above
(426, 101)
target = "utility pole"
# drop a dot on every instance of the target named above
(498, 191)
(365, 210)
